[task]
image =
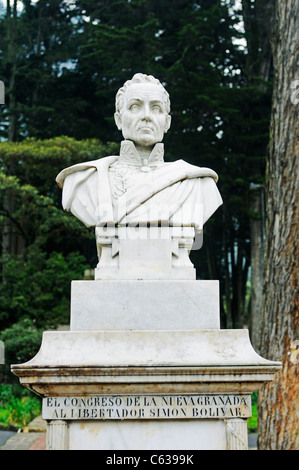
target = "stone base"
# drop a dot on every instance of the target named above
(144, 435)
(110, 358)
(111, 389)
(146, 366)
(146, 352)
(144, 305)
(147, 422)
(230, 434)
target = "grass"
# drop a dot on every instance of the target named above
(252, 422)
(18, 406)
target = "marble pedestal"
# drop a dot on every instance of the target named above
(143, 252)
(177, 381)
(144, 305)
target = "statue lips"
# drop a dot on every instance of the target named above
(147, 129)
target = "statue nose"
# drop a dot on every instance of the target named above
(146, 115)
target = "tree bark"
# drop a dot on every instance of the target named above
(257, 249)
(258, 22)
(278, 400)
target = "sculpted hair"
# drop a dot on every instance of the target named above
(139, 78)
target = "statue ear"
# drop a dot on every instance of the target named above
(168, 122)
(117, 120)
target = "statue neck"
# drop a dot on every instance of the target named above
(139, 156)
(144, 151)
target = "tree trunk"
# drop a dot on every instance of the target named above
(278, 400)
(258, 22)
(257, 249)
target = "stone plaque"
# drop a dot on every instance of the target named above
(138, 407)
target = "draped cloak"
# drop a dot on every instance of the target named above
(176, 193)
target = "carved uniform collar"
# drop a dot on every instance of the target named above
(129, 156)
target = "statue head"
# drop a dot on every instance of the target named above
(142, 110)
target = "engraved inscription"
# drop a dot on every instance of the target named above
(147, 407)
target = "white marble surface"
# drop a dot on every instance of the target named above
(145, 252)
(177, 193)
(144, 305)
(145, 435)
(126, 348)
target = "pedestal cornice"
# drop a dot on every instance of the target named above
(153, 362)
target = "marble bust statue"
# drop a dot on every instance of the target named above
(138, 188)
(130, 188)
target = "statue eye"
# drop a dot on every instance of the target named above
(156, 109)
(134, 108)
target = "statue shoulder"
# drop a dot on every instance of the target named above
(101, 164)
(193, 171)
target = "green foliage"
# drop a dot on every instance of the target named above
(38, 288)
(17, 406)
(252, 422)
(35, 162)
(21, 341)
